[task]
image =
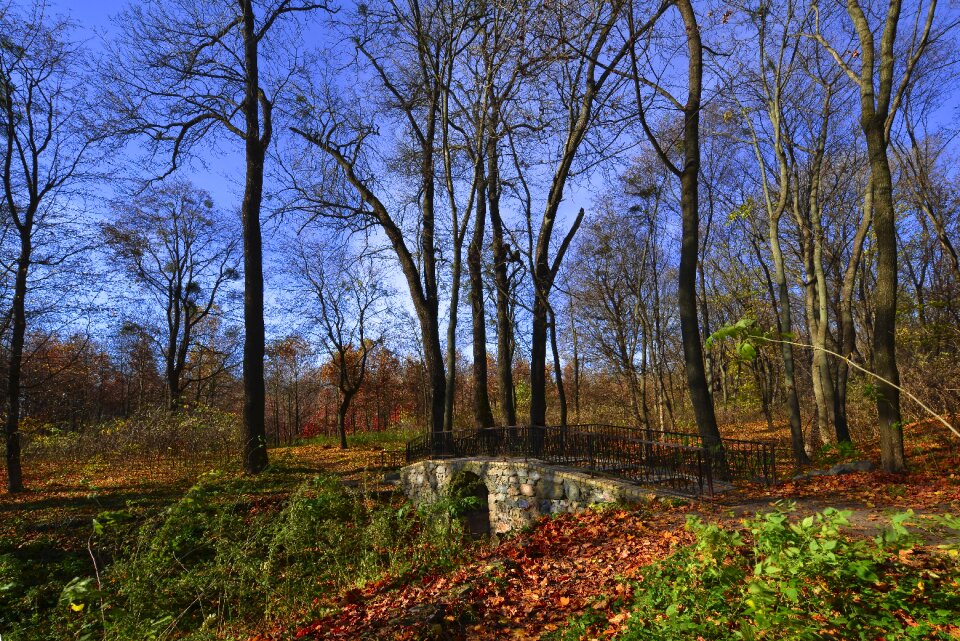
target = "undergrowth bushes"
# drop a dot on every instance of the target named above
(230, 557)
(198, 431)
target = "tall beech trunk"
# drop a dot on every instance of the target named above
(689, 240)
(254, 393)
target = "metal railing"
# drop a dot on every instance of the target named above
(740, 459)
(673, 460)
(392, 459)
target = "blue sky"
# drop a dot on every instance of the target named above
(220, 172)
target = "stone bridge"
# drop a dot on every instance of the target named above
(517, 491)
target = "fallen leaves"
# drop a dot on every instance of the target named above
(522, 588)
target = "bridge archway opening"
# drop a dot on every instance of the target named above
(473, 500)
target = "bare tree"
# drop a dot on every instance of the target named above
(777, 54)
(348, 297)
(188, 71)
(591, 53)
(48, 135)
(688, 172)
(611, 288)
(882, 84)
(407, 51)
(171, 241)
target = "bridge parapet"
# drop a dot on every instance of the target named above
(519, 491)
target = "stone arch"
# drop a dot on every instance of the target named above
(476, 518)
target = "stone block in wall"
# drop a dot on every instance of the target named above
(552, 490)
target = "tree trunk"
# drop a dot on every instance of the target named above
(848, 335)
(785, 315)
(342, 410)
(823, 340)
(875, 109)
(433, 362)
(885, 297)
(254, 394)
(558, 371)
(538, 352)
(18, 332)
(451, 380)
(785, 323)
(430, 315)
(689, 254)
(508, 409)
(576, 368)
(173, 390)
(482, 414)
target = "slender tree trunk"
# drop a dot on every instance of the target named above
(342, 410)
(765, 391)
(824, 433)
(508, 407)
(451, 381)
(823, 339)
(18, 333)
(644, 370)
(848, 336)
(689, 243)
(785, 312)
(482, 414)
(785, 319)
(254, 394)
(576, 367)
(558, 371)
(708, 361)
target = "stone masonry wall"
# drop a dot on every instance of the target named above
(519, 491)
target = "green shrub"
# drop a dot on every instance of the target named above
(196, 431)
(228, 558)
(782, 578)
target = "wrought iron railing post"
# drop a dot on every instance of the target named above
(773, 464)
(705, 470)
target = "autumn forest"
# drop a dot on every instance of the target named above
(255, 253)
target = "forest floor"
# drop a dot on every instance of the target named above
(568, 571)
(583, 567)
